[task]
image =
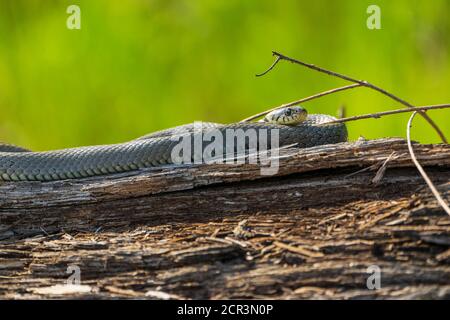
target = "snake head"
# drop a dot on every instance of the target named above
(287, 116)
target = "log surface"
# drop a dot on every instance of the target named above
(227, 231)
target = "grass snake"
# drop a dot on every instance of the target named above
(154, 150)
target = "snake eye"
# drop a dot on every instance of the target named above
(288, 112)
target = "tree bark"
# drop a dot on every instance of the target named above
(226, 231)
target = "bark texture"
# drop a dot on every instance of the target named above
(225, 231)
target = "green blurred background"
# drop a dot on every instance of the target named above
(137, 66)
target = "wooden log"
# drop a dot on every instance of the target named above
(226, 231)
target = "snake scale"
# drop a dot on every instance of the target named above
(152, 150)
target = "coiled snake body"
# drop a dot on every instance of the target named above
(18, 164)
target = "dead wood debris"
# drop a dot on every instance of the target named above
(314, 236)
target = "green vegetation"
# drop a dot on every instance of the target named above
(138, 66)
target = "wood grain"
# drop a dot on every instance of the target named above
(226, 231)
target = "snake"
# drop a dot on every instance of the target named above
(294, 127)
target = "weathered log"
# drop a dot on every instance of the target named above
(226, 231)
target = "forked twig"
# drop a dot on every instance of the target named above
(360, 82)
(421, 170)
(321, 94)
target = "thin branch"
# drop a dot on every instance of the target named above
(316, 68)
(360, 82)
(421, 170)
(321, 94)
(386, 113)
(270, 68)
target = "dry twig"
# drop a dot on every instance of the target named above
(421, 170)
(293, 103)
(378, 115)
(360, 82)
